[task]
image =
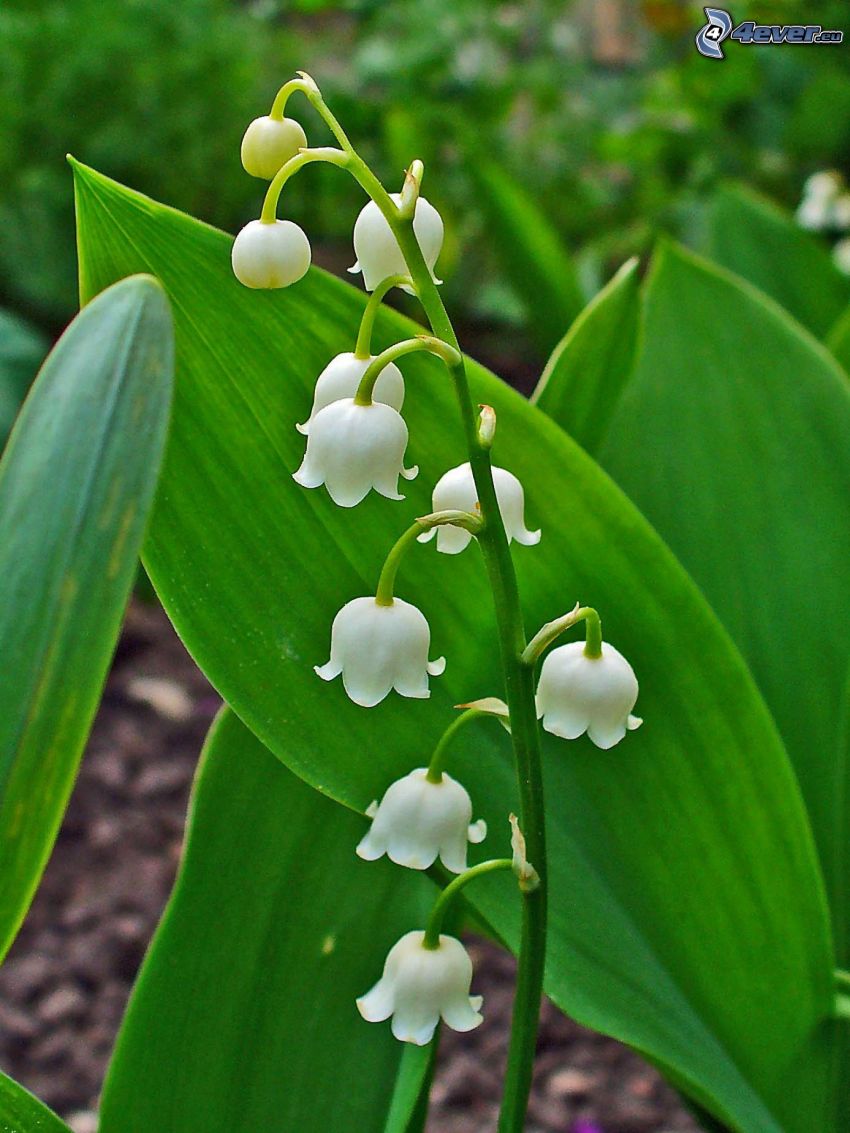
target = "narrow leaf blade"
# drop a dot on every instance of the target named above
(76, 484)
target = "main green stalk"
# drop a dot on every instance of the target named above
(519, 679)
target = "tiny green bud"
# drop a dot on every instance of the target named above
(526, 874)
(486, 425)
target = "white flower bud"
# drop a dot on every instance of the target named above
(417, 820)
(578, 694)
(419, 986)
(269, 143)
(813, 213)
(341, 377)
(823, 185)
(270, 254)
(377, 250)
(456, 491)
(378, 648)
(352, 448)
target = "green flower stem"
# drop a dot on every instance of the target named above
(519, 677)
(438, 759)
(386, 582)
(552, 630)
(363, 349)
(280, 99)
(304, 157)
(408, 346)
(441, 905)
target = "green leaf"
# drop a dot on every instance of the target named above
(76, 484)
(591, 364)
(243, 1017)
(531, 252)
(733, 438)
(22, 350)
(750, 235)
(688, 917)
(20, 1112)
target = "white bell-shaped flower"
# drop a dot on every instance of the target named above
(341, 377)
(578, 694)
(269, 143)
(378, 648)
(352, 448)
(456, 491)
(417, 820)
(422, 985)
(270, 254)
(376, 248)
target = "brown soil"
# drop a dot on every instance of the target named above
(66, 981)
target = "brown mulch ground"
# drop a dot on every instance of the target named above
(65, 983)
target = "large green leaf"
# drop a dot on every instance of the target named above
(76, 484)
(20, 1112)
(687, 910)
(243, 1017)
(750, 235)
(591, 364)
(537, 265)
(22, 350)
(734, 439)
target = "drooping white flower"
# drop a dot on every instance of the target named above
(376, 248)
(341, 377)
(417, 820)
(578, 694)
(422, 985)
(352, 448)
(455, 490)
(269, 143)
(270, 254)
(378, 648)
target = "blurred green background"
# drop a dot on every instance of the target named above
(601, 114)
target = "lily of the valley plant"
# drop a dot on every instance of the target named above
(380, 644)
